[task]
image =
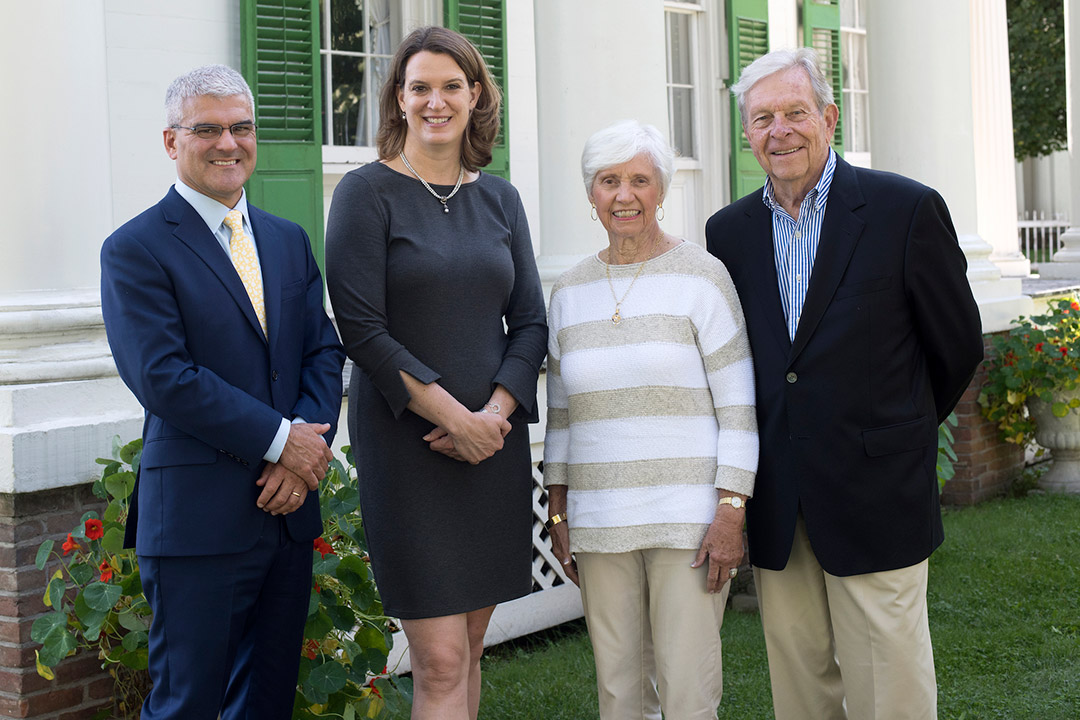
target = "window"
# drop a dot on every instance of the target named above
(358, 40)
(680, 21)
(856, 105)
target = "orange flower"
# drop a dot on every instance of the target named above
(106, 571)
(323, 547)
(70, 544)
(1075, 305)
(311, 649)
(94, 529)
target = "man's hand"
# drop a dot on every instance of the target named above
(283, 491)
(306, 454)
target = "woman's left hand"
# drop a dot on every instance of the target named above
(722, 546)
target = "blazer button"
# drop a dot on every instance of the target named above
(791, 378)
(274, 376)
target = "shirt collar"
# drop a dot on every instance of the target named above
(819, 195)
(210, 210)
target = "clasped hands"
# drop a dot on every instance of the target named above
(476, 437)
(303, 463)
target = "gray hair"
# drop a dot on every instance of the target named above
(213, 80)
(621, 143)
(778, 61)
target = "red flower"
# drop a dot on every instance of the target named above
(94, 529)
(1074, 305)
(1038, 347)
(317, 588)
(324, 547)
(311, 649)
(375, 690)
(106, 571)
(70, 544)
(1064, 350)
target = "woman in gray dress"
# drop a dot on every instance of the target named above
(434, 286)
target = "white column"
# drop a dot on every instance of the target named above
(587, 80)
(995, 166)
(1067, 260)
(922, 119)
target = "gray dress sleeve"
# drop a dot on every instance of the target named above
(526, 324)
(357, 232)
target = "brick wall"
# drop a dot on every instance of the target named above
(986, 466)
(81, 688)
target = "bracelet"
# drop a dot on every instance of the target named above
(491, 408)
(554, 520)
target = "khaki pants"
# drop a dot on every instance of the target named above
(846, 647)
(655, 633)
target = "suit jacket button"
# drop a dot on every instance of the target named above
(791, 378)
(273, 376)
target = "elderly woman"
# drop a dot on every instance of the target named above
(434, 285)
(651, 444)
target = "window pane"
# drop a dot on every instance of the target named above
(347, 99)
(681, 112)
(679, 70)
(347, 25)
(857, 121)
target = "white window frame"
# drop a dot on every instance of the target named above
(696, 11)
(339, 159)
(847, 35)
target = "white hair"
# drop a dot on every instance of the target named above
(622, 142)
(778, 61)
(213, 80)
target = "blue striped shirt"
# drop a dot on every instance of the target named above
(795, 243)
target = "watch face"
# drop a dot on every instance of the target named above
(736, 502)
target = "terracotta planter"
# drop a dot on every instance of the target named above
(1061, 436)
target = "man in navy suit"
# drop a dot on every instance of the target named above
(864, 334)
(214, 314)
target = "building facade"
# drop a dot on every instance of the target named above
(85, 80)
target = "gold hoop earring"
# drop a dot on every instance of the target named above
(659, 213)
(592, 213)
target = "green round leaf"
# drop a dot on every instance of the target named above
(133, 621)
(136, 660)
(120, 484)
(113, 540)
(328, 678)
(318, 625)
(81, 573)
(342, 616)
(1059, 409)
(56, 589)
(46, 625)
(326, 565)
(102, 596)
(135, 640)
(43, 554)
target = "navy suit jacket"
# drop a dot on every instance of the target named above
(188, 344)
(888, 340)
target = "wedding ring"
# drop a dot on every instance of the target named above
(296, 493)
(733, 572)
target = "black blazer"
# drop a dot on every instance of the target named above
(888, 340)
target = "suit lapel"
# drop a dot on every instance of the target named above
(269, 243)
(840, 231)
(761, 262)
(192, 231)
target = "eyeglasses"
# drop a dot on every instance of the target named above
(240, 131)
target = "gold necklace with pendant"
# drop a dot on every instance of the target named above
(617, 317)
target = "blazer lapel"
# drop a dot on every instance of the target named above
(192, 231)
(269, 244)
(761, 262)
(840, 231)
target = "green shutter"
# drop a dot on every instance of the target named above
(280, 60)
(484, 23)
(821, 31)
(748, 30)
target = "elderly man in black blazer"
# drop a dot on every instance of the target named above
(865, 334)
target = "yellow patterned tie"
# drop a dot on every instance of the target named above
(242, 249)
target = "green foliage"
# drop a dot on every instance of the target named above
(97, 603)
(946, 455)
(1037, 66)
(1036, 359)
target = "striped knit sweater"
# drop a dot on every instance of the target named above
(648, 417)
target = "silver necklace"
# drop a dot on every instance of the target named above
(440, 198)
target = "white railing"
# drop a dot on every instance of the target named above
(1040, 237)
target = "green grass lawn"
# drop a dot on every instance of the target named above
(1004, 613)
